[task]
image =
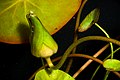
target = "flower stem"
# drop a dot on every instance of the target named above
(49, 62)
(107, 36)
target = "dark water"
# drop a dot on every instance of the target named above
(17, 63)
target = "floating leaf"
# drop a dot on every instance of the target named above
(89, 20)
(54, 75)
(54, 14)
(112, 64)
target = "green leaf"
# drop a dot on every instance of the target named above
(89, 20)
(54, 14)
(112, 64)
(54, 75)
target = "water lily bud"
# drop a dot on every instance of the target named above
(42, 43)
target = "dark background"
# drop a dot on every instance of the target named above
(17, 63)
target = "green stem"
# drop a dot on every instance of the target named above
(107, 73)
(113, 53)
(81, 40)
(107, 36)
(78, 22)
(50, 64)
(75, 32)
(79, 15)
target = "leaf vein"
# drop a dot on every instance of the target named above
(9, 7)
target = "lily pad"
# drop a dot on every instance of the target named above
(54, 75)
(54, 14)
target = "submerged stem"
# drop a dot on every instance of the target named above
(75, 32)
(89, 61)
(72, 55)
(81, 40)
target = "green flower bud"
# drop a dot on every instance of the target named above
(42, 43)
